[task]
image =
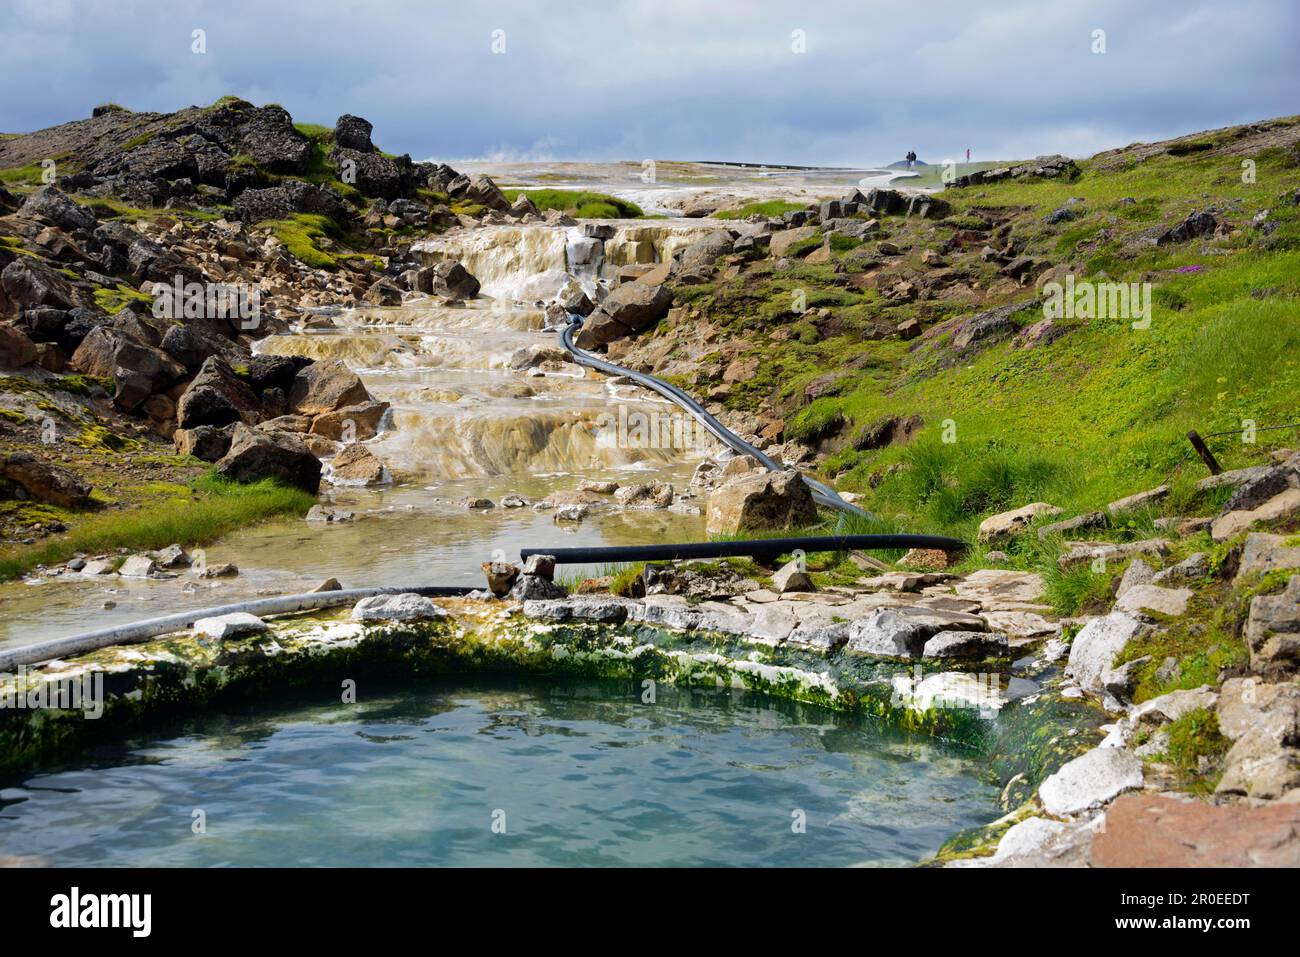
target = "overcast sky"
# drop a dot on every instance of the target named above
(675, 79)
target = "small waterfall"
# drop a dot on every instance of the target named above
(532, 263)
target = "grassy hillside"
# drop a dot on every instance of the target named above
(1099, 412)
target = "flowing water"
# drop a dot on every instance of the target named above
(464, 423)
(569, 774)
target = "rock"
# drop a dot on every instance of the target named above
(903, 632)
(605, 609)
(535, 588)
(51, 205)
(542, 566)
(237, 624)
(1273, 627)
(1263, 553)
(1141, 500)
(500, 577)
(1197, 224)
(966, 644)
(1119, 682)
(16, 349)
(1154, 830)
(1020, 627)
(221, 570)
(1195, 567)
(216, 396)
(996, 586)
(908, 329)
(138, 370)
(987, 326)
(286, 200)
(791, 577)
(769, 500)
(1152, 602)
(927, 559)
(326, 386)
(452, 280)
(1096, 647)
(43, 481)
(329, 584)
(1078, 523)
(1040, 842)
(513, 501)
(1258, 489)
(636, 305)
(97, 567)
(353, 423)
(1174, 705)
(571, 512)
(353, 133)
(1080, 553)
(1137, 573)
(1282, 506)
(1090, 781)
(406, 606)
(782, 242)
(1011, 524)
(173, 556)
(137, 566)
(905, 581)
(656, 495)
(206, 442)
(32, 282)
(477, 503)
(328, 515)
(282, 456)
(357, 465)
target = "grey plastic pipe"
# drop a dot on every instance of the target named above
(154, 627)
(822, 494)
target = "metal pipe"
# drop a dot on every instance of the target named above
(153, 627)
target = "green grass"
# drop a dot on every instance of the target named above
(579, 203)
(29, 175)
(193, 515)
(1192, 737)
(299, 234)
(766, 208)
(115, 300)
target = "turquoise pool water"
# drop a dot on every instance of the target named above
(524, 774)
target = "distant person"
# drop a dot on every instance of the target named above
(911, 159)
(968, 154)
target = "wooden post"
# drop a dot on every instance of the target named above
(1204, 452)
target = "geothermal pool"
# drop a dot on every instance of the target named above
(487, 773)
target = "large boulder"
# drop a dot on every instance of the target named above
(51, 205)
(376, 174)
(208, 443)
(1098, 644)
(16, 348)
(326, 386)
(139, 370)
(452, 279)
(637, 304)
(1273, 628)
(286, 199)
(1006, 525)
(217, 397)
(1090, 781)
(478, 189)
(43, 481)
(762, 500)
(32, 282)
(353, 133)
(281, 456)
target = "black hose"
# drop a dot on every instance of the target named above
(753, 547)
